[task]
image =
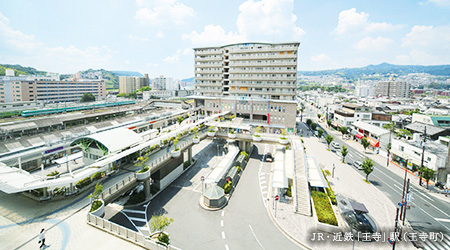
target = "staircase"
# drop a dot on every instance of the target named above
(302, 202)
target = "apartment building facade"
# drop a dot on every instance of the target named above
(350, 113)
(129, 84)
(164, 83)
(255, 81)
(17, 90)
(68, 91)
(393, 88)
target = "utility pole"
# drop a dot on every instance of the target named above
(403, 192)
(406, 202)
(395, 230)
(423, 155)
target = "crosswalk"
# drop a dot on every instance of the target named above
(439, 243)
(138, 218)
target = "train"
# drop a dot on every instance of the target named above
(28, 113)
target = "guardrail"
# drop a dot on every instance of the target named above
(126, 234)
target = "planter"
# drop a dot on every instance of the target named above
(257, 138)
(100, 212)
(143, 176)
(283, 141)
(211, 133)
(196, 140)
(232, 136)
(175, 153)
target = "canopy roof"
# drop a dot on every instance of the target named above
(315, 175)
(214, 192)
(114, 140)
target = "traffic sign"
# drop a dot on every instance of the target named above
(277, 197)
(408, 197)
(202, 178)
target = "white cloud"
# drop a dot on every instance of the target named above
(15, 38)
(440, 2)
(163, 11)
(213, 35)
(138, 38)
(373, 44)
(427, 45)
(257, 20)
(321, 58)
(159, 34)
(351, 21)
(268, 17)
(26, 49)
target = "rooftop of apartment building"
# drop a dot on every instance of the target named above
(434, 147)
(248, 44)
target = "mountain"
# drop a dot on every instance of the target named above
(382, 69)
(127, 73)
(111, 78)
(20, 70)
(188, 79)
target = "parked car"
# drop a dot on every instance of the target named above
(439, 185)
(358, 165)
(335, 145)
(268, 157)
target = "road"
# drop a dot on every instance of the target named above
(243, 224)
(427, 213)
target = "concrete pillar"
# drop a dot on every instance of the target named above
(45, 195)
(190, 155)
(147, 189)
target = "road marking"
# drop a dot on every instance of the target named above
(221, 223)
(397, 186)
(226, 247)
(443, 220)
(254, 235)
(223, 213)
(426, 197)
(223, 235)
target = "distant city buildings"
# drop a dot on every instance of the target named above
(48, 88)
(392, 88)
(165, 83)
(255, 81)
(130, 84)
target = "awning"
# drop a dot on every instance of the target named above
(359, 207)
(359, 135)
(374, 143)
(315, 175)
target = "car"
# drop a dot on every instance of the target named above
(439, 185)
(335, 145)
(268, 157)
(358, 165)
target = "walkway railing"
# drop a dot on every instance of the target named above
(126, 234)
(118, 186)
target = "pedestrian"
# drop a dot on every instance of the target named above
(42, 237)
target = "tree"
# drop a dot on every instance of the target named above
(320, 132)
(319, 115)
(365, 143)
(309, 122)
(313, 126)
(158, 223)
(97, 191)
(391, 127)
(87, 97)
(329, 139)
(329, 121)
(427, 174)
(404, 133)
(344, 152)
(367, 167)
(343, 130)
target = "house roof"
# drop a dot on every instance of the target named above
(420, 127)
(375, 130)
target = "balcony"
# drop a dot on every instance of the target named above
(262, 63)
(207, 52)
(209, 78)
(263, 71)
(259, 57)
(199, 70)
(209, 84)
(263, 49)
(262, 78)
(205, 90)
(208, 59)
(262, 85)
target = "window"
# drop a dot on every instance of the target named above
(428, 159)
(402, 148)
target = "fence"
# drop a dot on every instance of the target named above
(126, 234)
(118, 186)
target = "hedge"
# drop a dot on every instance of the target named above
(324, 211)
(227, 187)
(82, 183)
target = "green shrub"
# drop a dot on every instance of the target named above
(324, 211)
(330, 193)
(53, 173)
(164, 238)
(239, 169)
(143, 170)
(96, 176)
(302, 140)
(95, 205)
(227, 187)
(186, 164)
(245, 154)
(289, 191)
(83, 183)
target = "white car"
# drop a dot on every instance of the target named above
(335, 145)
(358, 165)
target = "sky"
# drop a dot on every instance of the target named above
(158, 36)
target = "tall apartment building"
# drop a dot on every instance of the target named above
(17, 89)
(129, 84)
(393, 88)
(256, 81)
(68, 91)
(164, 83)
